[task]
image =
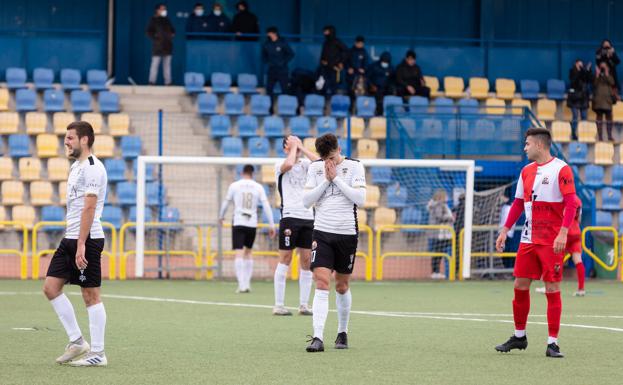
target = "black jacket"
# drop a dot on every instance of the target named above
(219, 24)
(601, 56)
(377, 75)
(578, 94)
(245, 22)
(277, 54)
(160, 31)
(196, 24)
(334, 51)
(407, 75)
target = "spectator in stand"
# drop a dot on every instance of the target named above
(333, 57)
(606, 54)
(580, 77)
(161, 32)
(603, 98)
(302, 84)
(197, 22)
(276, 54)
(409, 78)
(358, 62)
(245, 22)
(441, 241)
(380, 78)
(218, 22)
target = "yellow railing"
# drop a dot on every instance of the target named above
(481, 253)
(381, 256)
(23, 254)
(369, 254)
(38, 254)
(589, 252)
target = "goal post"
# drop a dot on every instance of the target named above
(409, 172)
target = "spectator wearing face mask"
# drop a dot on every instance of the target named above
(245, 22)
(409, 78)
(161, 32)
(218, 22)
(333, 57)
(197, 22)
(276, 54)
(607, 54)
(380, 79)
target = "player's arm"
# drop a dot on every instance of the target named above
(356, 191)
(291, 158)
(313, 190)
(567, 188)
(228, 198)
(93, 180)
(514, 213)
(269, 212)
(309, 154)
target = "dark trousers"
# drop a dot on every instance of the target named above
(600, 123)
(439, 246)
(277, 75)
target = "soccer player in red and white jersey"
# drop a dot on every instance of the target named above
(546, 191)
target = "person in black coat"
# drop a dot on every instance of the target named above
(333, 57)
(580, 77)
(218, 22)
(409, 78)
(358, 62)
(380, 79)
(161, 32)
(276, 54)
(607, 54)
(245, 22)
(197, 22)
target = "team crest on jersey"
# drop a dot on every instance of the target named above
(545, 181)
(557, 268)
(287, 232)
(82, 278)
(344, 171)
(314, 245)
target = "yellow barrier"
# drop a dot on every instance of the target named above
(590, 253)
(379, 257)
(368, 255)
(481, 253)
(23, 254)
(38, 254)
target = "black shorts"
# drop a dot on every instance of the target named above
(63, 263)
(334, 251)
(242, 236)
(295, 232)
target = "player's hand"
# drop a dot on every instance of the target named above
(81, 261)
(560, 242)
(329, 168)
(500, 243)
(272, 232)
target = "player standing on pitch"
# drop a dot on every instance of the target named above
(546, 191)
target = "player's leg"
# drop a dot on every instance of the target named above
(581, 273)
(279, 281)
(344, 265)
(237, 240)
(322, 265)
(305, 280)
(552, 275)
(249, 240)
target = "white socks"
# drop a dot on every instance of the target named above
(97, 326)
(240, 275)
(248, 272)
(65, 311)
(320, 308)
(552, 340)
(280, 284)
(305, 283)
(520, 333)
(343, 303)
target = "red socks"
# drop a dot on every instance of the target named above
(521, 308)
(579, 268)
(554, 309)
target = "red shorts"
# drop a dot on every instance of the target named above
(574, 244)
(538, 261)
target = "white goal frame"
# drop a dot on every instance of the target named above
(468, 166)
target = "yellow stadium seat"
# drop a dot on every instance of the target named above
(119, 124)
(104, 146)
(4, 99)
(453, 87)
(546, 109)
(617, 112)
(384, 216)
(520, 103)
(604, 153)
(378, 127)
(12, 192)
(433, 83)
(591, 115)
(9, 122)
(587, 132)
(29, 169)
(25, 215)
(567, 115)
(2, 216)
(96, 120)
(310, 144)
(561, 131)
(357, 127)
(36, 123)
(373, 195)
(62, 193)
(58, 169)
(41, 193)
(362, 217)
(495, 106)
(6, 168)
(47, 146)
(367, 148)
(505, 88)
(61, 120)
(479, 88)
(268, 174)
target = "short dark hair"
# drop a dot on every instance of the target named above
(272, 29)
(248, 169)
(198, 5)
(83, 129)
(411, 53)
(541, 134)
(285, 141)
(158, 6)
(359, 39)
(326, 144)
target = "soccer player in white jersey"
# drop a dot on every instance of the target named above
(296, 224)
(246, 194)
(335, 187)
(77, 259)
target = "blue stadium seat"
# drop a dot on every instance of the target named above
(432, 136)
(603, 218)
(259, 147)
(287, 105)
(300, 126)
(444, 106)
(411, 216)
(53, 101)
(234, 104)
(343, 143)
(81, 101)
(418, 104)
(115, 169)
(126, 193)
(340, 106)
(616, 173)
(578, 153)
(15, 78)
(610, 199)
(381, 176)
(260, 105)
(96, 80)
(220, 126)
(485, 134)
(53, 214)
(43, 78)
(148, 214)
(232, 147)
(109, 102)
(193, 82)
(529, 89)
(392, 100)
(19, 146)
(131, 146)
(25, 100)
(620, 223)
(207, 103)
(555, 89)
(510, 135)
(152, 193)
(70, 79)
(594, 176)
(169, 214)
(274, 127)
(460, 128)
(314, 105)
(326, 124)
(468, 106)
(247, 126)
(112, 215)
(397, 196)
(366, 106)
(247, 83)
(149, 171)
(221, 82)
